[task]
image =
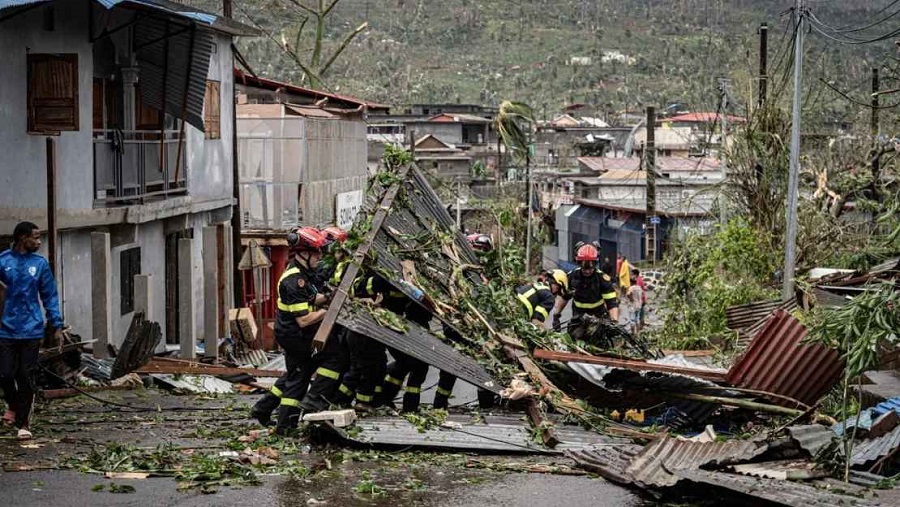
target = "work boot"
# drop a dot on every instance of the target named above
(441, 401)
(363, 408)
(288, 419)
(264, 417)
(411, 402)
(486, 399)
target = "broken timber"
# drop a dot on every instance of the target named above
(343, 290)
(629, 364)
(160, 365)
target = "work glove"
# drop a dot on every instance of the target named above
(557, 322)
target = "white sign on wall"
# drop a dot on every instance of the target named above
(347, 205)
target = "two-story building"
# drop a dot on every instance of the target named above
(116, 139)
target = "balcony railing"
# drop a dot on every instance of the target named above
(135, 166)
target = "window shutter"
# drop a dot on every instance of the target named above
(211, 111)
(52, 92)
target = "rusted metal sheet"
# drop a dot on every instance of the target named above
(746, 334)
(628, 364)
(777, 361)
(657, 463)
(790, 493)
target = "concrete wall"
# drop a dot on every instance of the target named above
(209, 161)
(23, 163)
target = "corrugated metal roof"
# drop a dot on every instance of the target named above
(608, 462)
(868, 451)
(741, 316)
(791, 493)
(504, 434)
(777, 361)
(890, 266)
(783, 470)
(420, 344)
(174, 63)
(811, 438)
(657, 463)
(886, 406)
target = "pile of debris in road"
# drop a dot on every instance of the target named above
(663, 423)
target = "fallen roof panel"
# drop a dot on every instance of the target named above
(503, 434)
(420, 344)
(741, 316)
(868, 451)
(777, 361)
(608, 461)
(791, 493)
(812, 438)
(657, 463)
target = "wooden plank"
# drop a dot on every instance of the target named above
(189, 368)
(342, 292)
(628, 364)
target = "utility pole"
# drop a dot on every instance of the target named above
(723, 91)
(790, 243)
(650, 170)
(763, 73)
(528, 225)
(876, 162)
(458, 205)
(237, 277)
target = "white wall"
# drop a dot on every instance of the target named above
(23, 161)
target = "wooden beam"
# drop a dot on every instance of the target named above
(342, 292)
(628, 364)
(192, 368)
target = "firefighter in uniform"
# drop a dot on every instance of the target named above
(592, 290)
(407, 367)
(334, 359)
(295, 326)
(539, 298)
(481, 244)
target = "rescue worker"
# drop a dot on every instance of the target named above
(481, 244)
(592, 291)
(336, 263)
(406, 367)
(30, 294)
(539, 298)
(295, 326)
(334, 360)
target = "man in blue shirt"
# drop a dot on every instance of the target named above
(29, 285)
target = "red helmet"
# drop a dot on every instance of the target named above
(480, 242)
(306, 239)
(587, 253)
(335, 234)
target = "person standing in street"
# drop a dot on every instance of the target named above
(29, 286)
(624, 276)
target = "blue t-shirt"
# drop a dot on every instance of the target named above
(29, 283)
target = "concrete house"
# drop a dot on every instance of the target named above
(116, 140)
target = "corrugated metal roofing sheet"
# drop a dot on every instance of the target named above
(811, 438)
(502, 434)
(868, 451)
(657, 463)
(742, 316)
(777, 361)
(783, 470)
(886, 406)
(174, 63)
(791, 493)
(608, 462)
(420, 344)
